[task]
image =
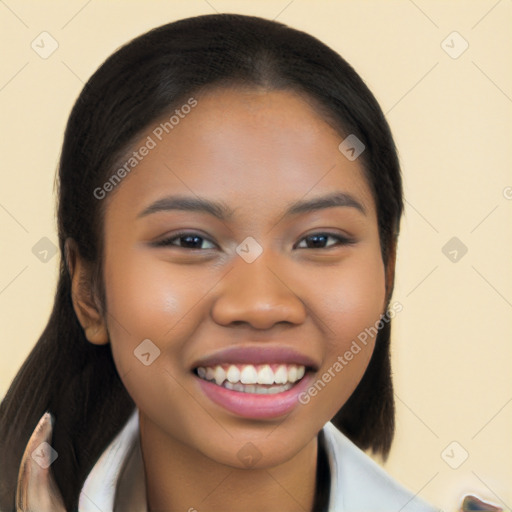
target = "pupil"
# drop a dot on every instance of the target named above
(318, 240)
(187, 238)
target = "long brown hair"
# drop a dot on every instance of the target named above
(148, 77)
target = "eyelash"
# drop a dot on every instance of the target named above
(167, 241)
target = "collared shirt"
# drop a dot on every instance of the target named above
(358, 484)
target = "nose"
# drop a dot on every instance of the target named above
(259, 294)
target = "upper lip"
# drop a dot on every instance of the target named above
(256, 355)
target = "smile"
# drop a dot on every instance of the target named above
(261, 379)
(257, 382)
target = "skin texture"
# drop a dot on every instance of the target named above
(256, 151)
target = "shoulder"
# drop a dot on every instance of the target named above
(359, 484)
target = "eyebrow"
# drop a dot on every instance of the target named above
(222, 211)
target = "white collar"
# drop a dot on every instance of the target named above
(119, 468)
(358, 484)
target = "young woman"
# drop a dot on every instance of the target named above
(229, 207)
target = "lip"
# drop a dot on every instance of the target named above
(256, 355)
(252, 405)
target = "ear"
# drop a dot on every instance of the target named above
(85, 302)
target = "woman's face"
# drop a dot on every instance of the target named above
(260, 288)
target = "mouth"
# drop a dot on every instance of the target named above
(259, 379)
(258, 391)
(255, 382)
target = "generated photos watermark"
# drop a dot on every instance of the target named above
(354, 349)
(151, 142)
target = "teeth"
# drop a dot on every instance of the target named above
(253, 379)
(233, 374)
(281, 375)
(266, 375)
(219, 375)
(258, 390)
(249, 375)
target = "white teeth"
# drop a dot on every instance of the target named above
(233, 374)
(250, 378)
(219, 374)
(249, 375)
(281, 375)
(258, 390)
(292, 373)
(266, 375)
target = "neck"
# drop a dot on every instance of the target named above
(179, 478)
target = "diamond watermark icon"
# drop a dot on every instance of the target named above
(249, 455)
(249, 249)
(454, 45)
(44, 455)
(44, 250)
(146, 352)
(454, 249)
(44, 45)
(454, 455)
(351, 147)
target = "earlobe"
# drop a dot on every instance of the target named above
(85, 302)
(96, 333)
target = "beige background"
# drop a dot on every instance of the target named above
(452, 122)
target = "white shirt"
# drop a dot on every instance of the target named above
(358, 484)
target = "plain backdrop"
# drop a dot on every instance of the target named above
(449, 107)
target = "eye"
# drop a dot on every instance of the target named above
(189, 241)
(318, 240)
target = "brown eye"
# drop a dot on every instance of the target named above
(186, 240)
(319, 240)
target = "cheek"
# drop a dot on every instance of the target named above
(352, 302)
(137, 290)
(148, 294)
(352, 297)
(144, 301)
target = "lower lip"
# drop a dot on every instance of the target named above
(253, 405)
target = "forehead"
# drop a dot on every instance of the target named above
(251, 149)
